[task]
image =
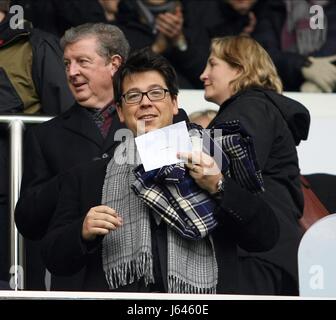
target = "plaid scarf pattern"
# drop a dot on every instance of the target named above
(103, 118)
(233, 150)
(127, 251)
(173, 194)
(176, 198)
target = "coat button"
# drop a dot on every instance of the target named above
(104, 155)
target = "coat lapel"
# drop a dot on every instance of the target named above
(78, 121)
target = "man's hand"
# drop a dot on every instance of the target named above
(170, 24)
(203, 169)
(251, 25)
(100, 220)
(321, 72)
(310, 87)
(170, 27)
(161, 44)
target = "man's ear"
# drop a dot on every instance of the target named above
(175, 105)
(120, 113)
(116, 61)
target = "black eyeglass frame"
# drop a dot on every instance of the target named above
(165, 91)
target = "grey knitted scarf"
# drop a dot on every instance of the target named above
(127, 252)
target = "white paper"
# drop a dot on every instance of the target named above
(158, 148)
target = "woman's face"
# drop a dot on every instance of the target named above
(216, 78)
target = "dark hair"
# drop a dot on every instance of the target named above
(141, 61)
(4, 5)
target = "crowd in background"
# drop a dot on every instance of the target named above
(182, 31)
(179, 29)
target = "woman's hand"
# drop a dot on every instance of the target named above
(100, 220)
(203, 169)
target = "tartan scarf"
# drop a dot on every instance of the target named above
(176, 198)
(127, 251)
(233, 149)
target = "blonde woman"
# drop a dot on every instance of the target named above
(240, 77)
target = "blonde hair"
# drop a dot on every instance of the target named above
(203, 117)
(248, 56)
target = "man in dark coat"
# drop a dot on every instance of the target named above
(78, 135)
(32, 81)
(92, 54)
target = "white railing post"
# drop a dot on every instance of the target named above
(17, 260)
(16, 125)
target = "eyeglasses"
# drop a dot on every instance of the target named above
(135, 97)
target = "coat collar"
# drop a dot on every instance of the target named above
(78, 120)
(9, 35)
(250, 90)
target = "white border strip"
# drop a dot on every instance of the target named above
(61, 295)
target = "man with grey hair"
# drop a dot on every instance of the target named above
(92, 55)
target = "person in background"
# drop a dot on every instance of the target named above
(202, 118)
(324, 184)
(238, 17)
(158, 24)
(241, 78)
(98, 216)
(32, 81)
(205, 20)
(31, 64)
(110, 8)
(57, 16)
(304, 55)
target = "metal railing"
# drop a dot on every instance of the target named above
(16, 125)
